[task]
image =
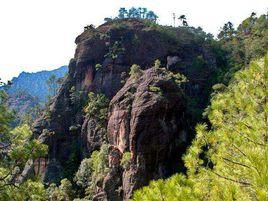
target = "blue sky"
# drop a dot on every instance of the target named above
(39, 34)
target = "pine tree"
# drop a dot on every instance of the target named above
(228, 160)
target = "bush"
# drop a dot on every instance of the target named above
(29, 190)
(76, 97)
(97, 107)
(93, 170)
(64, 192)
(115, 50)
(157, 63)
(125, 161)
(98, 66)
(156, 90)
(135, 71)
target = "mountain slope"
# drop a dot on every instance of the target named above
(35, 83)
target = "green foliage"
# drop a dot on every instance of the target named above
(74, 127)
(198, 63)
(229, 161)
(97, 107)
(20, 148)
(135, 71)
(139, 13)
(157, 63)
(17, 149)
(176, 188)
(53, 84)
(125, 161)
(92, 171)
(249, 41)
(227, 32)
(98, 66)
(166, 75)
(76, 97)
(115, 50)
(117, 26)
(64, 192)
(155, 90)
(178, 78)
(5, 115)
(29, 190)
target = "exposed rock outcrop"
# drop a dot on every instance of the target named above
(147, 114)
(147, 119)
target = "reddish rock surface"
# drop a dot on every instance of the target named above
(149, 125)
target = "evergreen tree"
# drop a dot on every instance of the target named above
(143, 12)
(52, 84)
(122, 13)
(228, 160)
(16, 148)
(131, 12)
(182, 18)
(151, 16)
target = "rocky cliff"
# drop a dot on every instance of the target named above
(149, 114)
(147, 119)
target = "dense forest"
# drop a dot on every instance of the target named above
(147, 112)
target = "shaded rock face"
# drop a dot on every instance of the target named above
(142, 121)
(148, 124)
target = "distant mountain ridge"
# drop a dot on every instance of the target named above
(29, 92)
(35, 84)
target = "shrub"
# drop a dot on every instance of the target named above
(93, 170)
(64, 192)
(75, 96)
(98, 66)
(157, 63)
(156, 90)
(135, 71)
(97, 107)
(115, 50)
(125, 161)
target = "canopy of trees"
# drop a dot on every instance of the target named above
(247, 42)
(140, 13)
(16, 148)
(228, 160)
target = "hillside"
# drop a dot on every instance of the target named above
(35, 84)
(29, 92)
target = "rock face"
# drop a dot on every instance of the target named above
(147, 119)
(147, 113)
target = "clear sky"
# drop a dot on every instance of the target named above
(39, 34)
